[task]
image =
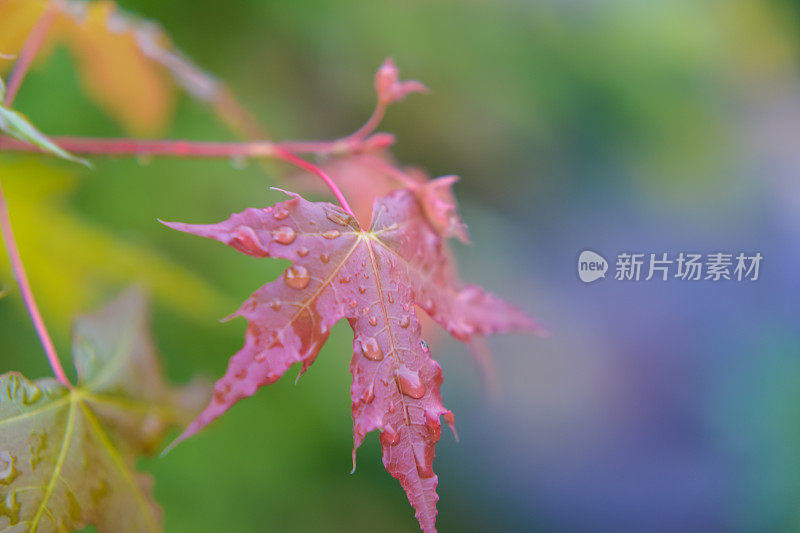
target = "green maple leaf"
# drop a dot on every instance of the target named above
(67, 457)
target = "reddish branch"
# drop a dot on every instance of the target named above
(145, 148)
(184, 148)
(32, 44)
(372, 122)
(289, 157)
(27, 294)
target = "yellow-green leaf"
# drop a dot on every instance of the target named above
(67, 457)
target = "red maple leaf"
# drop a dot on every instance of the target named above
(376, 279)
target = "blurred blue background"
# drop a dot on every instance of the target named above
(660, 126)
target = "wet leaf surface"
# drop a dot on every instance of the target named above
(377, 280)
(67, 456)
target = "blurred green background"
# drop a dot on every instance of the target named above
(657, 126)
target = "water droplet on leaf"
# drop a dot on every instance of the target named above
(280, 212)
(30, 393)
(423, 460)
(369, 395)
(370, 348)
(10, 507)
(409, 384)
(36, 443)
(296, 277)
(389, 437)
(284, 235)
(7, 469)
(338, 216)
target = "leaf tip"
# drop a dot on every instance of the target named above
(81, 161)
(171, 446)
(230, 317)
(188, 432)
(179, 226)
(451, 422)
(284, 191)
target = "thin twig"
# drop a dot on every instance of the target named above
(289, 157)
(185, 148)
(27, 294)
(146, 148)
(371, 124)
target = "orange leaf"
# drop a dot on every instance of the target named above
(118, 76)
(17, 18)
